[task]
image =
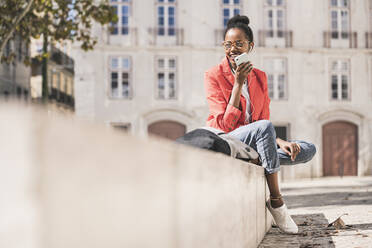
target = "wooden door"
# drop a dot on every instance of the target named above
(340, 149)
(167, 129)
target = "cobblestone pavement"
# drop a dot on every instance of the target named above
(314, 204)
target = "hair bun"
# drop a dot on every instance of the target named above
(238, 19)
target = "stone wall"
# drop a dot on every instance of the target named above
(68, 183)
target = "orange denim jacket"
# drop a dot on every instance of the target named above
(218, 84)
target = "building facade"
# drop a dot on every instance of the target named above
(146, 72)
(60, 76)
(15, 76)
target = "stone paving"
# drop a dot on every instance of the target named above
(314, 204)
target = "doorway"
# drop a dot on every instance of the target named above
(167, 129)
(340, 149)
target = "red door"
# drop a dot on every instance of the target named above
(167, 129)
(340, 149)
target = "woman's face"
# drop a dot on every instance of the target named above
(235, 44)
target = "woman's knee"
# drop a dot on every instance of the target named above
(312, 150)
(309, 149)
(266, 126)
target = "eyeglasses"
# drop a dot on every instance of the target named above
(238, 44)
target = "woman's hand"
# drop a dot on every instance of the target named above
(291, 148)
(242, 72)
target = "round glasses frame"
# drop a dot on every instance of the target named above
(237, 44)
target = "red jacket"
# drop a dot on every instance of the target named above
(218, 83)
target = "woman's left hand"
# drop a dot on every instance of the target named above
(291, 148)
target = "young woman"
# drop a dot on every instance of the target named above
(239, 105)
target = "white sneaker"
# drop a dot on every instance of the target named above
(283, 219)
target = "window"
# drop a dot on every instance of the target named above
(230, 8)
(339, 19)
(7, 48)
(124, 127)
(166, 17)
(50, 81)
(69, 86)
(276, 70)
(166, 78)
(26, 49)
(56, 77)
(340, 89)
(120, 78)
(20, 50)
(56, 80)
(275, 18)
(281, 132)
(122, 10)
(65, 85)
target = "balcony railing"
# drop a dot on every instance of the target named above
(62, 59)
(166, 36)
(278, 38)
(130, 37)
(62, 97)
(369, 40)
(350, 38)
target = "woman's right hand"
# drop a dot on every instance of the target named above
(242, 72)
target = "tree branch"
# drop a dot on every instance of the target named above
(14, 26)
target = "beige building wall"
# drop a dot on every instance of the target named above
(308, 54)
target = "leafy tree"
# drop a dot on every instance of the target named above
(55, 21)
(11, 14)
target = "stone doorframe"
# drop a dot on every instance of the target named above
(337, 115)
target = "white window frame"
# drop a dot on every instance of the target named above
(342, 30)
(167, 29)
(339, 72)
(166, 70)
(120, 70)
(232, 7)
(119, 4)
(275, 72)
(275, 31)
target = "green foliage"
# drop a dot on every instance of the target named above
(60, 20)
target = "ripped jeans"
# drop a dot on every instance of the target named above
(261, 136)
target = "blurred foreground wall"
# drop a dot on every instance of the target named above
(65, 183)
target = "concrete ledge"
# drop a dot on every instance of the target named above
(71, 184)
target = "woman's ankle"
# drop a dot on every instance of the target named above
(276, 201)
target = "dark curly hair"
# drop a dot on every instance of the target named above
(241, 22)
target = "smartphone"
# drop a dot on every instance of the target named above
(242, 58)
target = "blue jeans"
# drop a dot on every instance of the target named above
(261, 136)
